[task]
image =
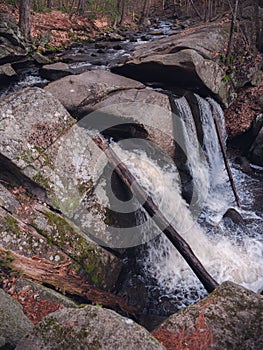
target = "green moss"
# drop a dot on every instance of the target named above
(26, 156)
(12, 225)
(5, 267)
(41, 180)
(39, 149)
(69, 240)
(85, 187)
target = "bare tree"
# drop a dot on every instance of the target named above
(24, 17)
(81, 6)
(145, 11)
(232, 30)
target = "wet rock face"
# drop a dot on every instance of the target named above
(229, 318)
(88, 328)
(256, 150)
(13, 323)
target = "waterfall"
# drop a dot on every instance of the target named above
(193, 149)
(238, 258)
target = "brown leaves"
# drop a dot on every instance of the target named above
(200, 338)
(243, 110)
(34, 306)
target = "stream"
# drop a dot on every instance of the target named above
(155, 275)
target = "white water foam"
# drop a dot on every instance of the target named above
(240, 261)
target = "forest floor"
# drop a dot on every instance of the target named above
(58, 29)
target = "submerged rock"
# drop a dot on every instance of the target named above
(90, 327)
(229, 318)
(13, 323)
(234, 216)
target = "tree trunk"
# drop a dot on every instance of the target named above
(259, 26)
(145, 11)
(152, 209)
(195, 9)
(122, 6)
(24, 18)
(221, 143)
(81, 6)
(232, 30)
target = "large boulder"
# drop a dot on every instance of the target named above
(47, 235)
(38, 143)
(91, 327)
(190, 60)
(13, 323)
(229, 318)
(80, 92)
(120, 100)
(193, 59)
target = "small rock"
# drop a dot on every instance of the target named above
(233, 215)
(117, 47)
(7, 71)
(39, 58)
(101, 45)
(156, 32)
(55, 71)
(115, 37)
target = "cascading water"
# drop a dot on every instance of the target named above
(192, 149)
(235, 255)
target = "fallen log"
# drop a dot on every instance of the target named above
(222, 147)
(152, 209)
(63, 278)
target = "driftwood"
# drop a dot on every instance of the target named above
(221, 143)
(65, 279)
(152, 209)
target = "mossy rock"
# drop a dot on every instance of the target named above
(92, 328)
(101, 267)
(229, 318)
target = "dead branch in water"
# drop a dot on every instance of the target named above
(155, 213)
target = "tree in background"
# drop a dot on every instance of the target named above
(24, 17)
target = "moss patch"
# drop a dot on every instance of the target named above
(91, 258)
